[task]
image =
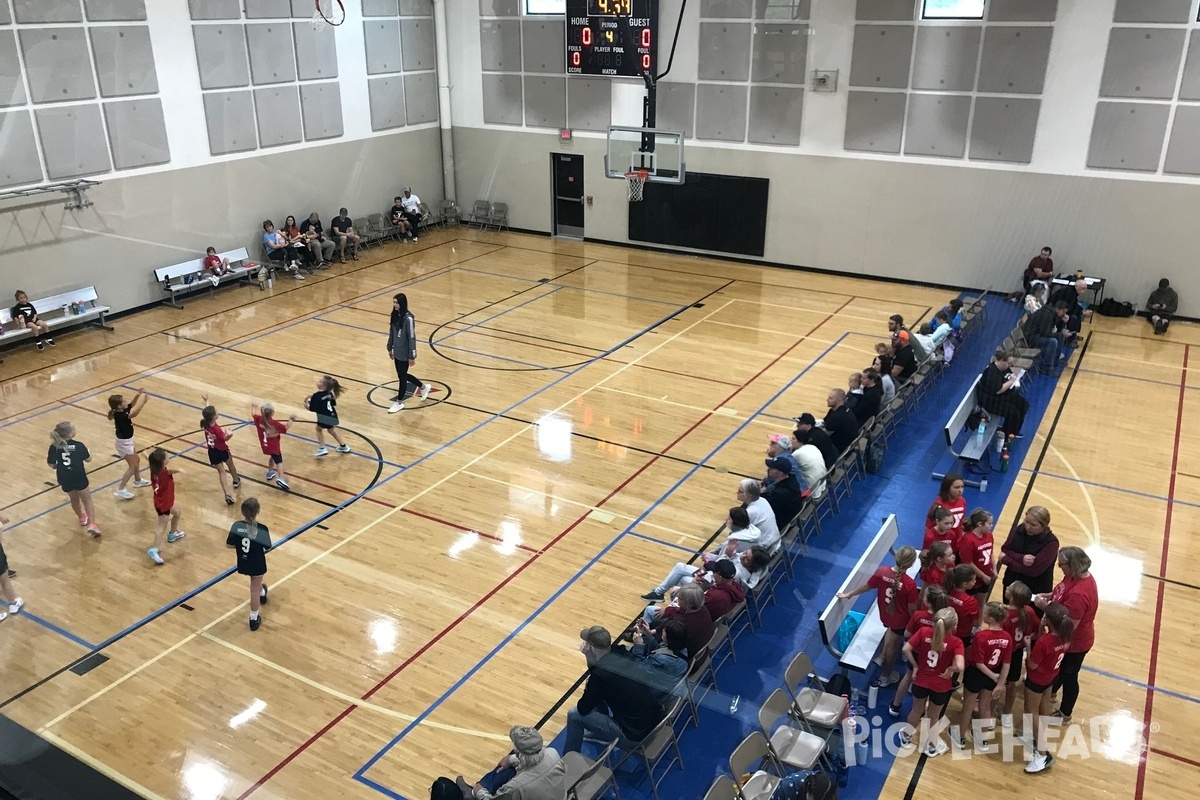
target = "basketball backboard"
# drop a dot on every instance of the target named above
(660, 152)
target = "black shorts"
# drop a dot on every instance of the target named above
(162, 513)
(216, 457)
(937, 698)
(253, 567)
(975, 681)
(3, 562)
(966, 640)
(326, 422)
(76, 486)
(1014, 668)
(1037, 688)
(274, 458)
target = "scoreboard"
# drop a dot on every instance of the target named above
(611, 37)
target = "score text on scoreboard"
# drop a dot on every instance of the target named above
(611, 37)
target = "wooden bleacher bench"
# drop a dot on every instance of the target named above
(54, 311)
(862, 648)
(973, 448)
(191, 276)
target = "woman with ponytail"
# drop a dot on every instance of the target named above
(68, 457)
(1045, 661)
(1077, 591)
(936, 561)
(896, 598)
(933, 600)
(402, 349)
(958, 583)
(936, 655)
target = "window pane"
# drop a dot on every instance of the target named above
(545, 6)
(952, 9)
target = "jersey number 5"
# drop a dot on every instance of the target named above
(65, 458)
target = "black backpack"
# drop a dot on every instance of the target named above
(1114, 308)
(445, 789)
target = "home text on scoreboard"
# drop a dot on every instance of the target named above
(611, 37)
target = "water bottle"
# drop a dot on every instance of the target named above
(860, 753)
(999, 441)
(981, 431)
(270, 280)
(872, 696)
(855, 708)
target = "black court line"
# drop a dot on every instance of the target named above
(265, 483)
(1171, 581)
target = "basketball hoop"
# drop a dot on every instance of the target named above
(637, 182)
(324, 16)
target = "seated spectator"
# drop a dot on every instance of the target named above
(1160, 308)
(997, 393)
(215, 265)
(785, 496)
(840, 422)
(312, 228)
(687, 607)
(616, 704)
(277, 248)
(660, 659)
(720, 596)
(883, 365)
(1036, 297)
(895, 325)
(741, 533)
(306, 253)
(749, 494)
(1041, 268)
(818, 438)
(811, 462)
(904, 361)
(531, 772)
(871, 396)
(749, 567)
(25, 315)
(953, 312)
(411, 205)
(343, 230)
(399, 220)
(1041, 331)
(780, 445)
(924, 345)
(1070, 296)
(853, 391)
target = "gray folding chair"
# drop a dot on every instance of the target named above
(722, 789)
(755, 750)
(810, 701)
(588, 779)
(662, 743)
(449, 212)
(791, 743)
(498, 216)
(481, 214)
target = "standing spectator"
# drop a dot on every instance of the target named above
(412, 212)
(818, 438)
(531, 772)
(343, 229)
(615, 704)
(811, 462)
(24, 314)
(1078, 593)
(312, 228)
(760, 512)
(1160, 308)
(785, 497)
(1030, 552)
(1041, 268)
(840, 422)
(997, 393)
(1041, 331)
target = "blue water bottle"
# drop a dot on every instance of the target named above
(981, 431)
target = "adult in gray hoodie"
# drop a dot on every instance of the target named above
(402, 349)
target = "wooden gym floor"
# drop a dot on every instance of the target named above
(593, 409)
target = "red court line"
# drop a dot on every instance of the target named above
(521, 567)
(1177, 757)
(464, 528)
(1162, 587)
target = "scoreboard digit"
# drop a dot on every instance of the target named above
(611, 37)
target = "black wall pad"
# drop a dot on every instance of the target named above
(33, 769)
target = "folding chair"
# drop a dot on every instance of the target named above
(366, 234)
(791, 744)
(755, 749)
(661, 742)
(449, 211)
(480, 214)
(498, 216)
(810, 701)
(723, 788)
(587, 779)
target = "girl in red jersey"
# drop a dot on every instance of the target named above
(933, 600)
(950, 497)
(975, 548)
(1045, 659)
(896, 597)
(936, 655)
(1077, 591)
(1021, 622)
(988, 659)
(940, 527)
(936, 561)
(217, 440)
(162, 478)
(270, 431)
(957, 583)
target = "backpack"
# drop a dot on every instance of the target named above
(873, 458)
(1115, 308)
(445, 789)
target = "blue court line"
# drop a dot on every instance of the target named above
(1140, 685)
(457, 331)
(358, 775)
(1119, 489)
(447, 346)
(51, 626)
(664, 542)
(569, 286)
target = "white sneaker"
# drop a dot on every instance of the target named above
(155, 556)
(3, 616)
(397, 406)
(321, 451)
(936, 748)
(297, 275)
(215, 280)
(956, 738)
(415, 239)
(891, 678)
(16, 605)
(1006, 721)
(425, 388)
(123, 494)
(142, 484)
(1036, 764)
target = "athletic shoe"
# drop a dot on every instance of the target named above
(905, 738)
(255, 623)
(155, 556)
(957, 739)
(174, 536)
(141, 484)
(237, 482)
(41, 346)
(93, 531)
(83, 520)
(271, 474)
(397, 406)
(424, 390)
(262, 596)
(4, 616)
(15, 606)
(894, 711)
(12, 573)
(297, 275)
(936, 748)
(282, 484)
(50, 342)
(321, 451)
(228, 500)
(343, 448)
(416, 239)
(215, 280)
(123, 494)
(890, 679)
(1006, 721)
(654, 595)
(982, 746)
(1037, 764)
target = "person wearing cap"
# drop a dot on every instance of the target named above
(725, 593)
(779, 445)
(812, 463)
(840, 422)
(531, 772)
(411, 205)
(748, 569)
(785, 496)
(749, 494)
(616, 704)
(1162, 305)
(817, 437)
(904, 360)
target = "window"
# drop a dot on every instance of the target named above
(543, 7)
(949, 9)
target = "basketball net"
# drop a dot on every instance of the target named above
(324, 16)
(637, 183)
